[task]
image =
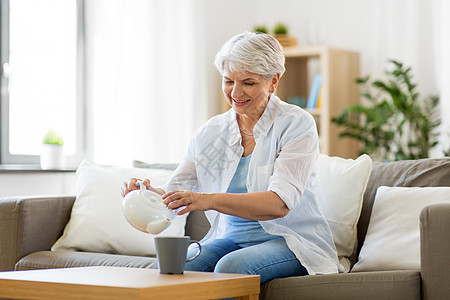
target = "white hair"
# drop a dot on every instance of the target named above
(257, 53)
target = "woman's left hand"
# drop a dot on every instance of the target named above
(191, 201)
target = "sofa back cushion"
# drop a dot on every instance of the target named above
(426, 172)
(197, 225)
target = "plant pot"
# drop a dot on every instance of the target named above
(52, 157)
(286, 40)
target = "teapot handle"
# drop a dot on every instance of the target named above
(141, 185)
(153, 197)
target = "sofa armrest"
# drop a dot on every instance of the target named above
(30, 224)
(435, 251)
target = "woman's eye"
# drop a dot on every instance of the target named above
(228, 82)
(249, 83)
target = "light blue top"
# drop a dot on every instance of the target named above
(241, 231)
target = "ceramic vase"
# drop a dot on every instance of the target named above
(51, 157)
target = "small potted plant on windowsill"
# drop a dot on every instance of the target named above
(52, 151)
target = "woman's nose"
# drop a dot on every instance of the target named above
(237, 91)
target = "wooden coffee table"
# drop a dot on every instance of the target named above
(125, 283)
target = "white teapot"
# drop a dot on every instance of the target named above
(145, 210)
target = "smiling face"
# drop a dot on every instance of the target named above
(248, 93)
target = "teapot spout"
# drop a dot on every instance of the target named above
(157, 226)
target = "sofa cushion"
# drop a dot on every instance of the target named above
(340, 188)
(349, 286)
(97, 223)
(197, 225)
(74, 259)
(422, 173)
(393, 236)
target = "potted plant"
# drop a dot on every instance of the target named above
(394, 124)
(261, 29)
(52, 151)
(281, 33)
(280, 29)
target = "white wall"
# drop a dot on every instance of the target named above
(24, 183)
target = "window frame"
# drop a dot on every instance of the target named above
(6, 158)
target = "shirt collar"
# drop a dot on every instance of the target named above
(233, 129)
(267, 118)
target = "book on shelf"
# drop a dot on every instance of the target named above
(319, 99)
(314, 93)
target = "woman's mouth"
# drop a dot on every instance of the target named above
(240, 102)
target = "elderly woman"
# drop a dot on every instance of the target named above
(251, 170)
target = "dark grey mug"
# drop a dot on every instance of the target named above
(171, 252)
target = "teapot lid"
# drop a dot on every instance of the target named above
(154, 200)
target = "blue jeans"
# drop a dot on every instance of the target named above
(271, 259)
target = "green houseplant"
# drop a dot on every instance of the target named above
(395, 123)
(281, 33)
(52, 151)
(261, 29)
(280, 28)
(53, 138)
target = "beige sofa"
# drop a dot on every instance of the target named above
(29, 226)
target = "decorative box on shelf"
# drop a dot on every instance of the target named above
(286, 40)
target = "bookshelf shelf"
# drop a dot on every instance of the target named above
(339, 69)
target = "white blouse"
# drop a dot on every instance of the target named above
(282, 161)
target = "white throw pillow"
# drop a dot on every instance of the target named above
(393, 236)
(97, 223)
(341, 184)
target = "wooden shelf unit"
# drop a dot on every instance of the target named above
(339, 69)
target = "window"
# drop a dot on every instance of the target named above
(42, 66)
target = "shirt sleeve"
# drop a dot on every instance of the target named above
(296, 160)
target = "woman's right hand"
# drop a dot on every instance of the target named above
(130, 185)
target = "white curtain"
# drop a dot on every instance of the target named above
(417, 32)
(442, 64)
(142, 80)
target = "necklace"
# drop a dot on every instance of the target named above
(250, 134)
(246, 133)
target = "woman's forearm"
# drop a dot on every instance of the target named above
(254, 206)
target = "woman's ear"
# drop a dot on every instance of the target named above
(275, 81)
